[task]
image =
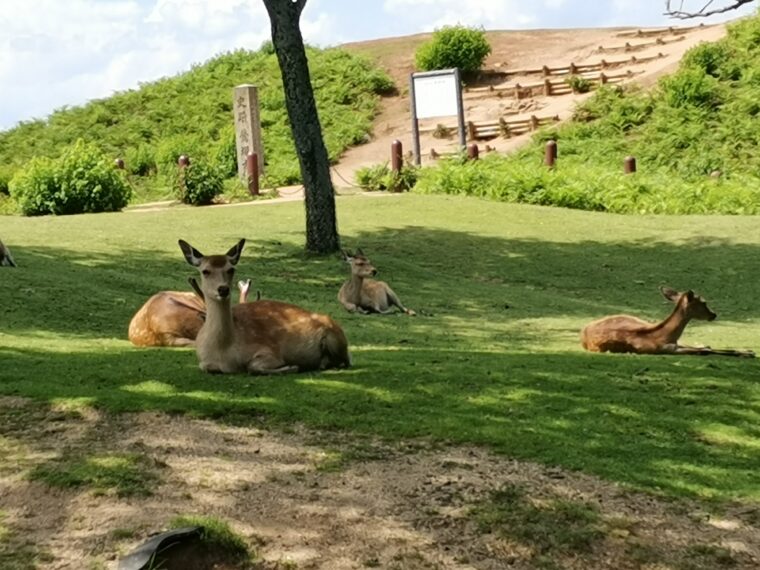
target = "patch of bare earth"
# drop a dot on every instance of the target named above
(322, 501)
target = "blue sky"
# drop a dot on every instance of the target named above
(55, 53)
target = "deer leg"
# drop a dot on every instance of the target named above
(179, 341)
(266, 364)
(394, 300)
(353, 308)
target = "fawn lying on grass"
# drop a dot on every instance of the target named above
(263, 337)
(625, 333)
(363, 295)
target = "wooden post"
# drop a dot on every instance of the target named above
(472, 131)
(533, 122)
(518, 91)
(545, 71)
(602, 79)
(252, 172)
(547, 87)
(119, 163)
(550, 156)
(397, 156)
(472, 151)
(629, 165)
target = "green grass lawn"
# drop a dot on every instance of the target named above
(493, 359)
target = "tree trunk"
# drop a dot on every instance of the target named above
(321, 225)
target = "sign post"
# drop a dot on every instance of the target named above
(247, 128)
(436, 94)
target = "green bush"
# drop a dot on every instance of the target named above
(578, 84)
(198, 184)
(454, 46)
(141, 160)
(171, 148)
(225, 155)
(82, 180)
(6, 173)
(379, 177)
(691, 87)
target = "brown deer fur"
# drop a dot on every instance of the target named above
(263, 337)
(363, 295)
(173, 318)
(625, 333)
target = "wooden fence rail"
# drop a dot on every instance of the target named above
(570, 69)
(477, 130)
(658, 32)
(629, 47)
(549, 87)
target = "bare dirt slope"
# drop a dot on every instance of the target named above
(512, 50)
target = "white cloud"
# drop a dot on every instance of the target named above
(490, 14)
(57, 53)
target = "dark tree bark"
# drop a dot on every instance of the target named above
(702, 8)
(321, 224)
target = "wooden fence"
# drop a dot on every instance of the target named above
(629, 47)
(658, 32)
(549, 87)
(478, 130)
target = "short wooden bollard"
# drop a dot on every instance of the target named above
(629, 165)
(252, 173)
(397, 156)
(550, 156)
(473, 152)
(183, 161)
(119, 163)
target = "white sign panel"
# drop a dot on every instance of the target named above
(435, 95)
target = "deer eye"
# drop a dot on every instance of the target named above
(206, 272)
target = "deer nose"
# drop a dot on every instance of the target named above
(374, 272)
(223, 291)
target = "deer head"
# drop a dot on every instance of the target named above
(694, 306)
(360, 265)
(217, 271)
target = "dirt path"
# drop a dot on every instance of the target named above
(318, 501)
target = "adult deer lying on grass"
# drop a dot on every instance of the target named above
(363, 295)
(173, 318)
(263, 337)
(6, 258)
(624, 333)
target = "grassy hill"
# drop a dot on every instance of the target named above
(191, 113)
(696, 138)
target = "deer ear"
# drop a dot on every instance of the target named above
(670, 294)
(359, 251)
(690, 295)
(192, 255)
(234, 253)
(347, 255)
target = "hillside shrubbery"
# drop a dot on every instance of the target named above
(702, 120)
(82, 180)
(192, 114)
(454, 46)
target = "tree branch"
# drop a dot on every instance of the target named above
(704, 12)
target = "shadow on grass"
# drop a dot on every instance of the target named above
(441, 272)
(676, 426)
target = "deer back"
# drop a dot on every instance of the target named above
(166, 316)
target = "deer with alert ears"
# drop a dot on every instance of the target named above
(364, 295)
(625, 333)
(262, 337)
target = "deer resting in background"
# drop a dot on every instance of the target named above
(6, 259)
(263, 337)
(363, 295)
(173, 318)
(624, 333)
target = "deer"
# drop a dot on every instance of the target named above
(363, 295)
(174, 318)
(260, 337)
(6, 259)
(625, 333)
